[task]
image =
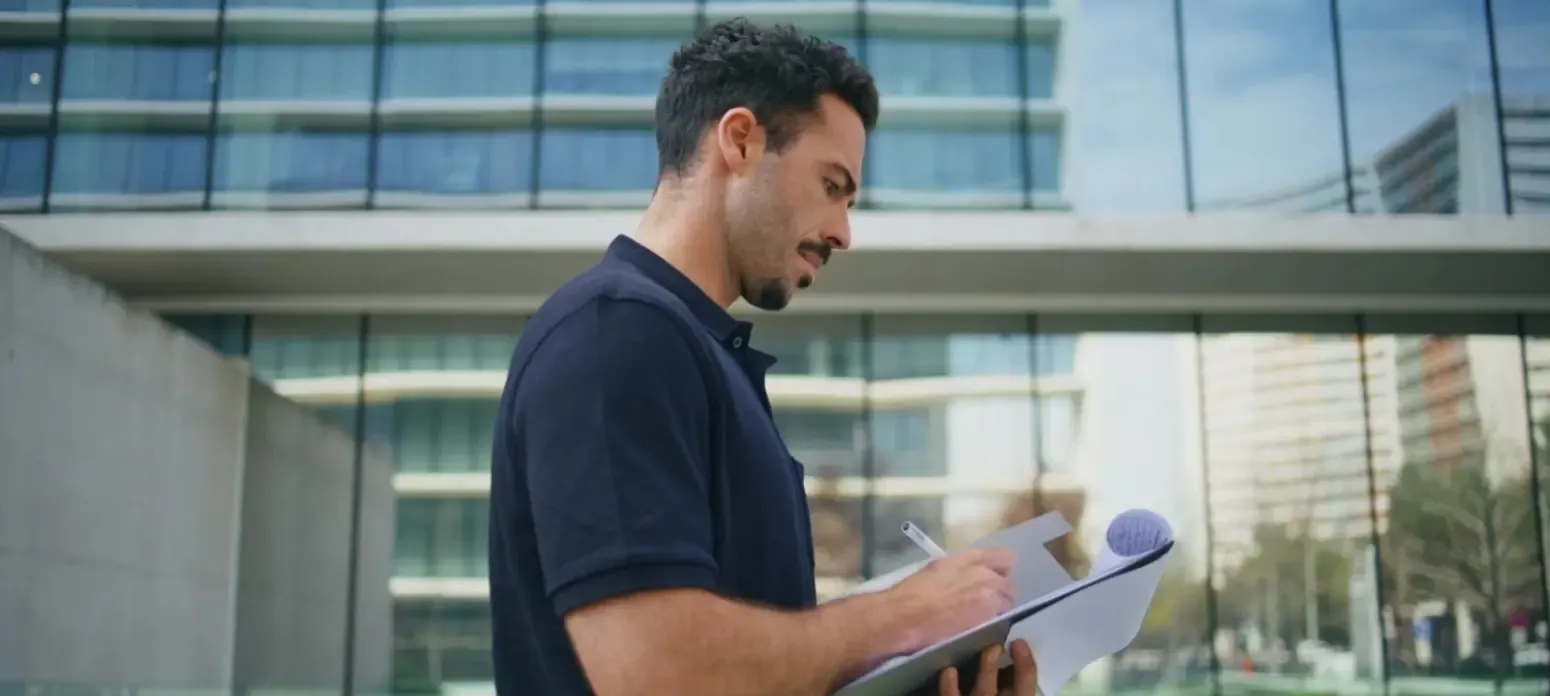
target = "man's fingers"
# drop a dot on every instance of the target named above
(948, 682)
(990, 662)
(997, 559)
(1025, 671)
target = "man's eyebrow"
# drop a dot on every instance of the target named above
(850, 180)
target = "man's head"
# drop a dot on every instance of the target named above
(768, 126)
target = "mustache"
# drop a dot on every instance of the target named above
(822, 250)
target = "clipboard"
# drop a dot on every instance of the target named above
(918, 673)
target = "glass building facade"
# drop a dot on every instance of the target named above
(1358, 496)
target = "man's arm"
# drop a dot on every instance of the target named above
(693, 642)
(615, 424)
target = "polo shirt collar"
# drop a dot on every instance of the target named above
(712, 316)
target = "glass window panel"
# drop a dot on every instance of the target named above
(1522, 32)
(297, 71)
(140, 72)
(413, 548)
(1423, 127)
(1460, 556)
(1287, 442)
(1122, 52)
(1040, 57)
(943, 67)
(22, 157)
(607, 66)
(144, 4)
(466, 164)
(129, 170)
(1044, 160)
(481, 69)
(297, 348)
(438, 4)
(29, 6)
(304, 4)
(463, 640)
(598, 160)
(226, 334)
(906, 162)
(415, 444)
(1264, 123)
(290, 168)
(26, 74)
(1536, 363)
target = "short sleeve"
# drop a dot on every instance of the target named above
(613, 424)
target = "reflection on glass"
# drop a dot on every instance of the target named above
(1536, 363)
(440, 69)
(21, 170)
(138, 72)
(1290, 451)
(26, 74)
(1132, 158)
(297, 71)
(1522, 32)
(1460, 555)
(1264, 123)
(110, 170)
(287, 169)
(1418, 104)
(945, 167)
(455, 167)
(943, 67)
(613, 66)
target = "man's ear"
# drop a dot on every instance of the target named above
(740, 139)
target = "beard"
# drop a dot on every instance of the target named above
(760, 241)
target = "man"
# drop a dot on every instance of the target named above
(649, 530)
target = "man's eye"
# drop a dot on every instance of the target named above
(833, 188)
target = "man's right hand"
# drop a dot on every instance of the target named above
(953, 594)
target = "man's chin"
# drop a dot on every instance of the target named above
(772, 298)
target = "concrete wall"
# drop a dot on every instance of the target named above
(146, 484)
(295, 564)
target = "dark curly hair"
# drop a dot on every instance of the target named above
(777, 72)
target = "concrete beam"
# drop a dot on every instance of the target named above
(903, 262)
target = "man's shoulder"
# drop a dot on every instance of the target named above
(631, 296)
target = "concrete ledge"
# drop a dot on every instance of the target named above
(904, 262)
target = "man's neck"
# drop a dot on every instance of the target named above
(685, 234)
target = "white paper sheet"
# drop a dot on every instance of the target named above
(1073, 623)
(1071, 634)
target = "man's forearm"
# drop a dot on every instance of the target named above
(697, 643)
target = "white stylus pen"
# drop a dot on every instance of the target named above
(924, 542)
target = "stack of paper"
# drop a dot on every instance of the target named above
(1068, 623)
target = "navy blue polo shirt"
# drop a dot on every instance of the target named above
(635, 451)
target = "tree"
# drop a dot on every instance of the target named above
(1273, 587)
(1457, 535)
(1177, 617)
